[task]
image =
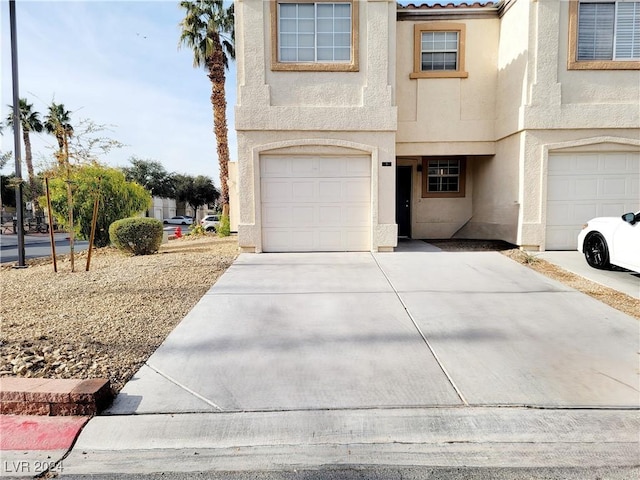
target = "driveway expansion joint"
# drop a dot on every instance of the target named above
(424, 338)
(185, 388)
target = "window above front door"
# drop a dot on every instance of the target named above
(439, 50)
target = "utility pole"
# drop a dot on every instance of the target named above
(16, 133)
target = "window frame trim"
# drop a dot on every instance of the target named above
(352, 66)
(418, 29)
(574, 64)
(462, 178)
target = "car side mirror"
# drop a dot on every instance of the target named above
(629, 218)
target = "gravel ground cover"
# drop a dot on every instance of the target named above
(105, 323)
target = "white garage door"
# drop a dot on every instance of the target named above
(315, 204)
(582, 186)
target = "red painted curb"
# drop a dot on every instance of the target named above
(35, 432)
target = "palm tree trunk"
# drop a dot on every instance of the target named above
(216, 75)
(28, 160)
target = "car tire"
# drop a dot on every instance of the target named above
(165, 222)
(596, 251)
(210, 229)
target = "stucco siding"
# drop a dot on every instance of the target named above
(449, 109)
(513, 57)
(495, 198)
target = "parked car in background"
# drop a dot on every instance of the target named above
(178, 220)
(606, 241)
(210, 223)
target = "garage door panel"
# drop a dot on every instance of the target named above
(356, 215)
(316, 203)
(276, 167)
(330, 190)
(302, 215)
(582, 186)
(302, 190)
(357, 189)
(276, 215)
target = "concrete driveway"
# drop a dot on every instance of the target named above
(364, 349)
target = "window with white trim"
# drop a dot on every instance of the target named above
(608, 31)
(314, 32)
(439, 51)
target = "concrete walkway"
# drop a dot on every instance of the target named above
(411, 358)
(573, 261)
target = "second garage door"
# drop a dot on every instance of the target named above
(582, 186)
(315, 203)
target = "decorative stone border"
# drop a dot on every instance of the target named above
(42, 396)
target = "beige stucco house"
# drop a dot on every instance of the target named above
(362, 121)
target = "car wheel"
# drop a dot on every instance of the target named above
(184, 223)
(210, 229)
(596, 251)
(165, 222)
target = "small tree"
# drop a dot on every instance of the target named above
(195, 191)
(119, 199)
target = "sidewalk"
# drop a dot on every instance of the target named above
(574, 262)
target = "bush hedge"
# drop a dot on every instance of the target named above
(137, 235)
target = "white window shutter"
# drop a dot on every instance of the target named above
(627, 45)
(595, 31)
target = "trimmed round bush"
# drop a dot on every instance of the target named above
(136, 235)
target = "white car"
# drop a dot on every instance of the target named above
(210, 223)
(179, 220)
(609, 241)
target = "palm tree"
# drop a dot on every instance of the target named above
(30, 122)
(208, 30)
(57, 123)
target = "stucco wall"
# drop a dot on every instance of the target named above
(495, 198)
(513, 58)
(445, 110)
(562, 98)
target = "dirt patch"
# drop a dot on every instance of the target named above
(464, 245)
(104, 323)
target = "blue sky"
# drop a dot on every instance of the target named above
(117, 63)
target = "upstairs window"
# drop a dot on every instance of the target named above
(604, 35)
(314, 36)
(439, 50)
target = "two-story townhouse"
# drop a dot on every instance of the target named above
(362, 121)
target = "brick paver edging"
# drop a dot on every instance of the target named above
(45, 396)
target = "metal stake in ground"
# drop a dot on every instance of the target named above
(50, 218)
(94, 221)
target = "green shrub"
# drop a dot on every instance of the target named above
(138, 235)
(224, 228)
